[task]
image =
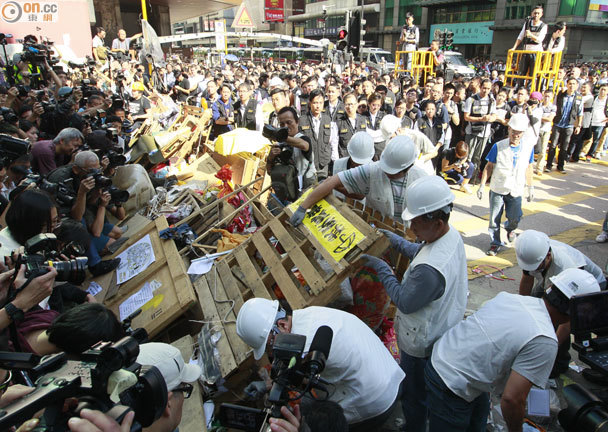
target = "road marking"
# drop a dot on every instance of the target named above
(549, 205)
(506, 258)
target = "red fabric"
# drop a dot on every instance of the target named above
(33, 320)
(370, 300)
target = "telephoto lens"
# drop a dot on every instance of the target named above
(585, 411)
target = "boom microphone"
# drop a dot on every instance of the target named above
(319, 350)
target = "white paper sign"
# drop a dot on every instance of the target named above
(538, 402)
(135, 260)
(94, 288)
(137, 300)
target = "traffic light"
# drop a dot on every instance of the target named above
(355, 32)
(342, 43)
(449, 39)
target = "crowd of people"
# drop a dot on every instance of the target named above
(400, 146)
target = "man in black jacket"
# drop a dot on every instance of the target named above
(247, 113)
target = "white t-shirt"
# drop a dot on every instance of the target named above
(97, 42)
(598, 114)
(587, 105)
(364, 374)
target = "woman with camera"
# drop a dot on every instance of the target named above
(454, 166)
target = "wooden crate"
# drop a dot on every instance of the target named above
(256, 269)
(175, 294)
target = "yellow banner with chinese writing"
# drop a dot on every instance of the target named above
(335, 233)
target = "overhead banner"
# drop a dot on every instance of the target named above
(220, 36)
(467, 33)
(273, 10)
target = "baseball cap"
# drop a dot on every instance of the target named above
(536, 96)
(138, 86)
(169, 362)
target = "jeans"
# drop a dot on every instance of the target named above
(458, 177)
(97, 244)
(449, 412)
(544, 140)
(376, 423)
(526, 66)
(512, 208)
(605, 225)
(413, 400)
(559, 137)
(596, 131)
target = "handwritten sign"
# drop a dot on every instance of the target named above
(335, 233)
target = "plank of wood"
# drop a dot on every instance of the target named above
(252, 277)
(193, 415)
(314, 280)
(239, 348)
(229, 282)
(227, 361)
(281, 276)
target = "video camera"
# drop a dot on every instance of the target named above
(91, 379)
(41, 252)
(11, 148)
(290, 373)
(275, 134)
(61, 191)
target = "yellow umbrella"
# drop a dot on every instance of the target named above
(239, 141)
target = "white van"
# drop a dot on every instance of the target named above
(378, 59)
(456, 64)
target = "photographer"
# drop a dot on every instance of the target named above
(139, 105)
(100, 52)
(454, 166)
(296, 151)
(48, 155)
(89, 206)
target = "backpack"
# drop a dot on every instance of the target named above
(284, 180)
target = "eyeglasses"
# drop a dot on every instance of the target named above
(185, 388)
(362, 107)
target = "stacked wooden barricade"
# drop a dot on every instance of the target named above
(282, 262)
(190, 129)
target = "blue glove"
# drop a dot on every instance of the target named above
(398, 243)
(297, 218)
(376, 263)
(255, 390)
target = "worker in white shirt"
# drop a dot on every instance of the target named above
(360, 152)
(364, 378)
(531, 38)
(558, 41)
(433, 294)
(505, 348)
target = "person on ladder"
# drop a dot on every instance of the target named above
(410, 37)
(531, 37)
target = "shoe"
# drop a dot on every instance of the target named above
(602, 237)
(466, 189)
(588, 159)
(117, 244)
(124, 229)
(103, 267)
(562, 171)
(493, 250)
(547, 170)
(511, 236)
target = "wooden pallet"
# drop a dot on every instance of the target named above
(175, 294)
(257, 269)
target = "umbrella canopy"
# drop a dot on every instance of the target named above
(231, 57)
(240, 140)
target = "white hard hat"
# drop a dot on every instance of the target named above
(519, 122)
(425, 195)
(531, 248)
(574, 282)
(254, 322)
(400, 153)
(389, 125)
(361, 148)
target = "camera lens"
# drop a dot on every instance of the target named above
(73, 271)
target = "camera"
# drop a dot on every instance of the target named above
(8, 115)
(41, 251)
(101, 181)
(11, 148)
(90, 379)
(274, 133)
(290, 373)
(118, 196)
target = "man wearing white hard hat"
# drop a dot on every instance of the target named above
(541, 258)
(382, 183)
(432, 296)
(364, 376)
(389, 128)
(505, 347)
(360, 152)
(510, 166)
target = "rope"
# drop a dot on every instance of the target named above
(478, 269)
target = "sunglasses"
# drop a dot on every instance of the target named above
(185, 388)
(362, 106)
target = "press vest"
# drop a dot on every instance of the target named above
(320, 143)
(346, 131)
(336, 113)
(248, 120)
(559, 103)
(476, 356)
(416, 332)
(535, 30)
(507, 179)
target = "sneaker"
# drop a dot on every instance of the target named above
(511, 236)
(562, 171)
(547, 170)
(466, 189)
(588, 159)
(103, 267)
(493, 250)
(602, 237)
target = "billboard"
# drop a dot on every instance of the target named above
(467, 33)
(598, 5)
(273, 10)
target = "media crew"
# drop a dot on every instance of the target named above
(362, 377)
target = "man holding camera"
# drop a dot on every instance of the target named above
(49, 154)
(479, 111)
(292, 150)
(364, 377)
(83, 179)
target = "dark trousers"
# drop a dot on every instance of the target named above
(526, 66)
(560, 138)
(376, 423)
(413, 400)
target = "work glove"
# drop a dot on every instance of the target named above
(255, 390)
(397, 242)
(530, 196)
(375, 263)
(297, 218)
(480, 192)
